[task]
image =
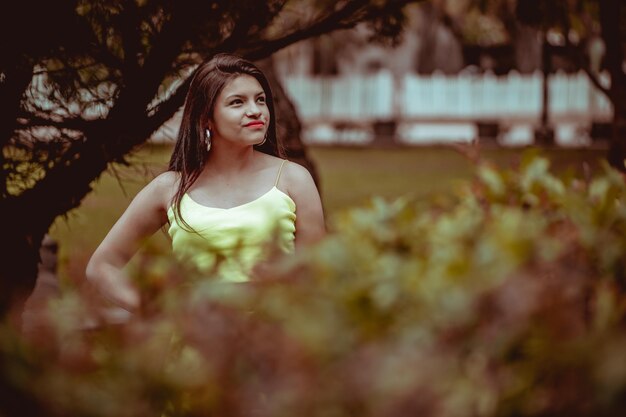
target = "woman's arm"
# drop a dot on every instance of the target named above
(310, 225)
(143, 217)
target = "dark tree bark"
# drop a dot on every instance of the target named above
(288, 126)
(611, 13)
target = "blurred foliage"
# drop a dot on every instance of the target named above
(483, 29)
(506, 298)
(495, 22)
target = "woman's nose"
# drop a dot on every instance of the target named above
(253, 110)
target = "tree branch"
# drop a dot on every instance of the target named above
(165, 110)
(129, 23)
(141, 87)
(241, 29)
(354, 12)
(12, 88)
(596, 81)
(27, 120)
(576, 54)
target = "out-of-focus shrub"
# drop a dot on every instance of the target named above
(506, 298)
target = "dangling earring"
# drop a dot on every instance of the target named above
(208, 139)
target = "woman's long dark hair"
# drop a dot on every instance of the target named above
(207, 82)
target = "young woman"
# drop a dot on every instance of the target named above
(229, 197)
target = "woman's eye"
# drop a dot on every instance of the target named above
(234, 102)
(261, 99)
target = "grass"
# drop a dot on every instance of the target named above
(348, 177)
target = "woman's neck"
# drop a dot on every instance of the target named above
(228, 160)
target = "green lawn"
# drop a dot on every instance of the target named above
(348, 176)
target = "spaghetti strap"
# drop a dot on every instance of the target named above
(279, 171)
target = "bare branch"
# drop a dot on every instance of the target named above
(164, 111)
(351, 14)
(129, 22)
(29, 120)
(15, 82)
(595, 80)
(576, 53)
(166, 47)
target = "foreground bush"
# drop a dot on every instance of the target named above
(505, 299)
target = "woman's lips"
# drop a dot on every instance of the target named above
(256, 124)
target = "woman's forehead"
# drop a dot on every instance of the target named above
(243, 84)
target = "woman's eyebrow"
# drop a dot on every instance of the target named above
(238, 95)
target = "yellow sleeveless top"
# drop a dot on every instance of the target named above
(230, 242)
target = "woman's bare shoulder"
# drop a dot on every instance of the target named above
(297, 181)
(167, 179)
(301, 187)
(296, 174)
(164, 186)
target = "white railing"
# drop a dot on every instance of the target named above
(446, 98)
(441, 108)
(343, 98)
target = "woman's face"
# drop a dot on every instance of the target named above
(241, 114)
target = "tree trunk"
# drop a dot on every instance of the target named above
(29, 215)
(20, 246)
(528, 49)
(19, 250)
(610, 15)
(288, 127)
